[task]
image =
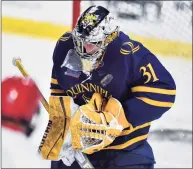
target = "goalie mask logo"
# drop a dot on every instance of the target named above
(89, 19)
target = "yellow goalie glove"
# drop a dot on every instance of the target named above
(96, 125)
(60, 111)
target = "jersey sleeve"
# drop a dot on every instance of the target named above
(153, 91)
(55, 87)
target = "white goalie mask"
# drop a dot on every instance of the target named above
(94, 30)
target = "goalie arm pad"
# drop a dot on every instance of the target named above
(61, 108)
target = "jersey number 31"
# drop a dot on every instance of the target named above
(149, 74)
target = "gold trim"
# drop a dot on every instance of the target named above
(130, 44)
(125, 53)
(126, 132)
(136, 49)
(155, 102)
(64, 38)
(153, 90)
(128, 143)
(123, 50)
(57, 91)
(54, 81)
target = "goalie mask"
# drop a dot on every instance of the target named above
(94, 30)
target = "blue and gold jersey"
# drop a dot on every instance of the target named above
(137, 79)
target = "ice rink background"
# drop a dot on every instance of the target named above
(36, 55)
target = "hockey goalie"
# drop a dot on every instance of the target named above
(106, 89)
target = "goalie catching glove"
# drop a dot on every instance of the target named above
(96, 125)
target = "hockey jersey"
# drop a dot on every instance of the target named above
(130, 73)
